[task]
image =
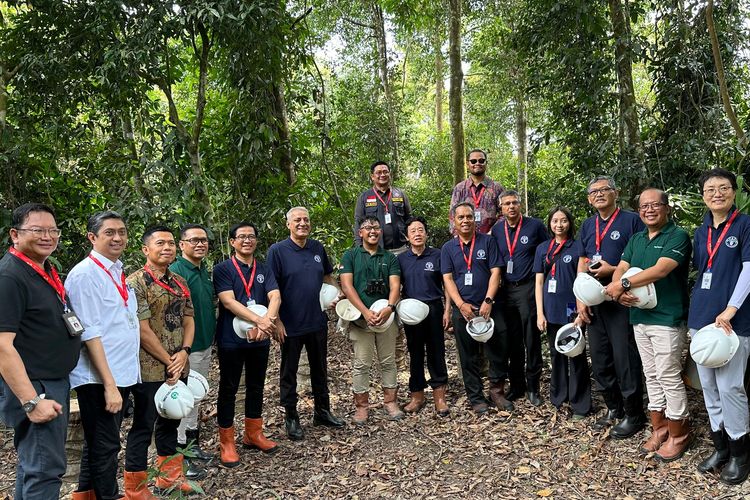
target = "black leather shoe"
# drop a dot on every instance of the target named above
(607, 420)
(193, 436)
(480, 408)
(325, 417)
(293, 427)
(195, 470)
(534, 398)
(720, 456)
(512, 395)
(628, 426)
(738, 467)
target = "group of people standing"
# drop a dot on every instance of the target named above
(111, 337)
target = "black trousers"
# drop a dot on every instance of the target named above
(469, 349)
(147, 422)
(231, 362)
(101, 432)
(316, 344)
(427, 338)
(524, 338)
(614, 358)
(570, 380)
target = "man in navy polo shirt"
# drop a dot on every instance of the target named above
(300, 265)
(614, 354)
(470, 265)
(517, 238)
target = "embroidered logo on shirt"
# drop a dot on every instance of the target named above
(481, 254)
(524, 239)
(567, 259)
(615, 235)
(260, 278)
(371, 204)
(398, 200)
(429, 266)
(732, 241)
(371, 199)
(317, 258)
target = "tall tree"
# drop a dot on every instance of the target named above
(455, 100)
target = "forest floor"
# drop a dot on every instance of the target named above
(529, 453)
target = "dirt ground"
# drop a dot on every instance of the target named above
(530, 453)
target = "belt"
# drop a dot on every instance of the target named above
(520, 282)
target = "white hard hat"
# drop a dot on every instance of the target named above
(570, 340)
(646, 294)
(347, 311)
(412, 311)
(241, 326)
(588, 290)
(197, 384)
(376, 307)
(480, 329)
(712, 347)
(174, 401)
(328, 294)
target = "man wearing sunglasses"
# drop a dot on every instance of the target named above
(482, 192)
(191, 265)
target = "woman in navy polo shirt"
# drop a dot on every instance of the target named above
(721, 255)
(555, 265)
(422, 280)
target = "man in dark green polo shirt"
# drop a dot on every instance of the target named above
(368, 274)
(663, 251)
(191, 266)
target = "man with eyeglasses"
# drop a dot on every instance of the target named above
(662, 251)
(388, 204)
(191, 265)
(517, 237)
(479, 190)
(40, 340)
(615, 361)
(109, 365)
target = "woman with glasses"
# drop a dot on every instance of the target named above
(555, 265)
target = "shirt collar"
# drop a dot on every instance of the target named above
(708, 219)
(189, 264)
(379, 251)
(295, 245)
(106, 262)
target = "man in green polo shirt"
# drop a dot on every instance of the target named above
(663, 251)
(368, 274)
(191, 266)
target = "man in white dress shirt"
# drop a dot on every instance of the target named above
(109, 363)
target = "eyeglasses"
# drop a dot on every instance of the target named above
(417, 230)
(653, 206)
(370, 228)
(604, 190)
(381, 173)
(38, 232)
(474, 161)
(246, 237)
(196, 241)
(721, 189)
(510, 203)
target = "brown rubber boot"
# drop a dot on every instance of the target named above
(497, 394)
(659, 432)
(254, 439)
(172, 474)
(677, 443)
(416, 404)
(391, 405)
(361, 404)
(136, 486)
(228, 448)
(441, 407)
(83, 495)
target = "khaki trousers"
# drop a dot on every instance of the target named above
(366, 343)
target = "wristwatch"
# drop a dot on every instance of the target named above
(392, 306)
(625, 284)
(187, 349)
(29, 406)
(489, 300)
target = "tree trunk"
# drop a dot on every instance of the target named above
(437, 47)
(378, 23)
(454, 97)
(284, 142)
(523, 186)
(725, 98)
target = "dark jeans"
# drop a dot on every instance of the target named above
(316, 344)
(614, 357)
(427, 337)
(570, 380)
(469, 349)
(101, 431)
(147, 422)
(231, 362)
(524, 338)
(40, 447)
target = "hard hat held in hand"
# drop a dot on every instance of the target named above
(174, 401)
(412, 311)
(328, 293)
(570, 340)
(376, 307)
(646, 294)
(241, 326)
(198, 385)
(712, 347)
(480, 329)
(347, 311)
(588, 290)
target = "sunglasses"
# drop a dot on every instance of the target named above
(474, 161)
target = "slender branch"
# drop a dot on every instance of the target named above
(200, 104)
(301, 18)
(357, 23)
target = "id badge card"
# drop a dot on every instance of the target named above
(73, 324)
(468, 279)
(131, 321)
(477, 216)
(509, 267)
(706, 280)
(250, 302)
(387, 218)
(596, 258)
(552, 286)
